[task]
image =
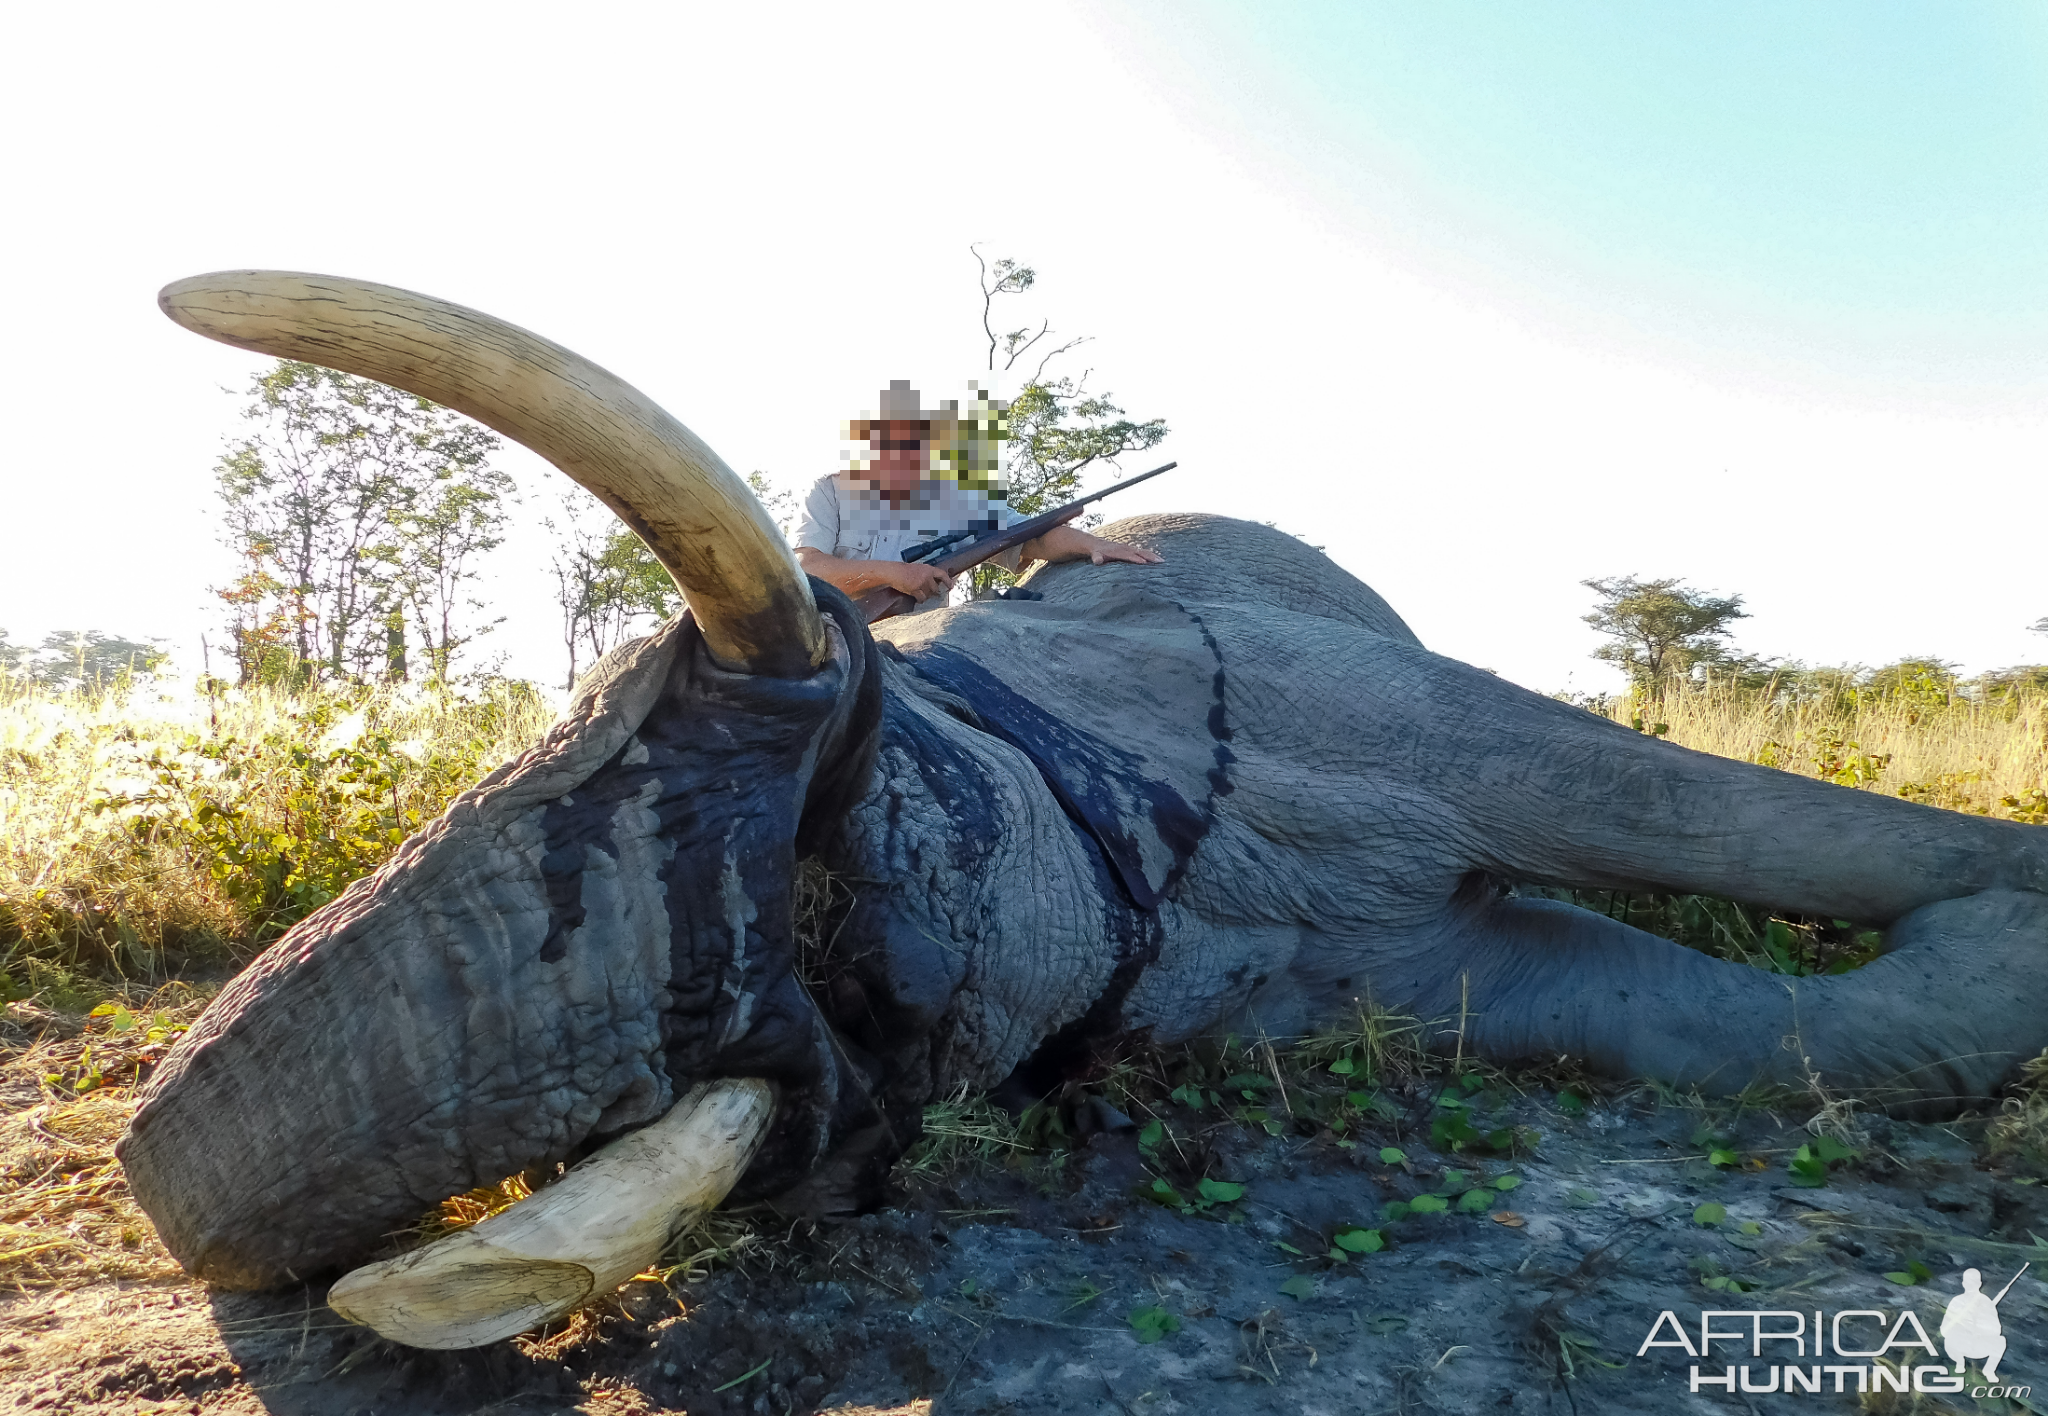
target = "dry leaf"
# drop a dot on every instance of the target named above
(1509, 1218)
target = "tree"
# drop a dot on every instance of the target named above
(1056, 427)
(1921, 680)
(71, 659)
(608, 584)
(1660, 628)
(356, 510)
(441, 528)
(2013, 681)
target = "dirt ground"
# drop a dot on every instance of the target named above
(1055, 1285)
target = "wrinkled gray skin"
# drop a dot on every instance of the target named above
(1228, 792)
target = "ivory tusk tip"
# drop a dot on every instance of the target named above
(752, 604)
(216, 303)
(589, 1232)
(447, 1306)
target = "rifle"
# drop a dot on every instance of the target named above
(882, 602)
(924, 548)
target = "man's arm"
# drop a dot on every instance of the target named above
(1066, 543)
(919, 582)
(818, 531)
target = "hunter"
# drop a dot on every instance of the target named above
(856, 523)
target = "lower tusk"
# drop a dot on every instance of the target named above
(586, 1234)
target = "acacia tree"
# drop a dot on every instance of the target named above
(1660, 628)
(354, 509)
(1057, 427)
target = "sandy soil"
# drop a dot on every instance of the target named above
(1013, 1290)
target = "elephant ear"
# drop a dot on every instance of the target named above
(424, 991)
(1138, 748)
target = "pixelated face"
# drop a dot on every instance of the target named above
(916, 470)
(902, 451)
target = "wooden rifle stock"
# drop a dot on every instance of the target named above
(882, 602)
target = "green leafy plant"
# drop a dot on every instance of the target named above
(1710, 1213)
(1152, 1323)
(1217, 1192)
(1912, 1275)
(1372, 1104)
(1713, 1278)
(1160, 1191)
(1576, 1347)
(1209, 1194)
(1252, 1086)
(1809, 1164)
(153, 1027)
(1350, 1239)
(1453, 1131)
(82, 1076)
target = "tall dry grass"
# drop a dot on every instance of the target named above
(139, 831)
(1979, 753)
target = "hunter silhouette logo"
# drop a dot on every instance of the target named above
(1970, 1327)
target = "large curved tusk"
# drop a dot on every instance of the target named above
(586, 1234)
(752, 603)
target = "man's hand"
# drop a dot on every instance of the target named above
(1067, 543)
(920, 582)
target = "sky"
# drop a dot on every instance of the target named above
(1485, 300)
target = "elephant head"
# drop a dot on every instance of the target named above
(594, 923)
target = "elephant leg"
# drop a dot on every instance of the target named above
(1941, 1019)
(1562, 797)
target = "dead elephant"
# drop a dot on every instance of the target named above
(1159, 802)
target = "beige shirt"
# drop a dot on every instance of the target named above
(825, 525)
